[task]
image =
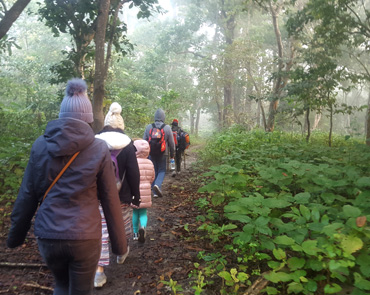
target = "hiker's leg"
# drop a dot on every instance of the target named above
(178, 160)
(104, 255)
(160, 171)
(143, 217)
(127, 219)
(83, 265)
(155, 164)
(135, 220)
(57, 260)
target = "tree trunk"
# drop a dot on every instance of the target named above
(197, 122)
(99, 79)
(219, 113)
(192, 122)
(331, 124)
(308, 124)
(228, 29)
(367, 127)
(11, 16)
(280, 82)
(317, 120)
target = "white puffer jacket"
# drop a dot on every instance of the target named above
(147, 173)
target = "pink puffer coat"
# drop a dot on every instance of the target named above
(147, 173)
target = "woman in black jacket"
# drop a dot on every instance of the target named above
(68, 223)
(121, 145)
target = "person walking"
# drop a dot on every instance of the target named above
(176, 130)
(160, 138)
(147, 174)
(128, 177)
(67, 224)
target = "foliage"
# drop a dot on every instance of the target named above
(296, 212)
(15, 146)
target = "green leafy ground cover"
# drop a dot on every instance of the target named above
(290, 212)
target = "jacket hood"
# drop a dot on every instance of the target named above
(66, 136)
(114, 140)
(159, 115)
(142, 148)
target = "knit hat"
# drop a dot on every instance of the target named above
(175, 122)
(75, 103)
(114, 118)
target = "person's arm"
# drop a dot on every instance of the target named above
(132, 172)
(146, 132)
(24, 209)
(110, 203)
(170, 141)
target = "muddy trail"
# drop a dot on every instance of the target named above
(169, 251)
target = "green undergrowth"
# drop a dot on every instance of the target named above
(279, 209)
(19, 129)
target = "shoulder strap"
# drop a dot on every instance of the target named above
(60, 174)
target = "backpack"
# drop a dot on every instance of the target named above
(183, 140)
(113, 156)
(157, 142)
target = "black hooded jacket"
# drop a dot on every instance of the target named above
(70, 210)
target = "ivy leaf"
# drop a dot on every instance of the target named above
(279, 254)
(305, 212)
(225, 275)
(276, 277)
(284, 240)
(332, 288)
(309, 247)
(351, 244)
(295, 287)
(311, 286)
(361, 283)
(363, 182)
(364, 261)
(296, 263)
(350, 211)
(302, 198)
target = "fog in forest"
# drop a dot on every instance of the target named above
(211, 64)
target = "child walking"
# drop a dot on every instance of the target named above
(147, 174)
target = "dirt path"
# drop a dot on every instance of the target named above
(165, 253)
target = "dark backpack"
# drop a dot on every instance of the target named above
(113, 156)
(183, 140)
(157, 142)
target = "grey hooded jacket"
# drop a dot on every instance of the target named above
(70, 211)
(159, 118)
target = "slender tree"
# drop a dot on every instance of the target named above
(11, 15)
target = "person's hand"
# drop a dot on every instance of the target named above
(135, 203)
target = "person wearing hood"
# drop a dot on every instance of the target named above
(160, 160)
(128, 173)
(68, 224)
(146, 167)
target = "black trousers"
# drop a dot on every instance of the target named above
(178, 156)
(73, 264)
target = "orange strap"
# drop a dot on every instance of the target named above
(60, 174)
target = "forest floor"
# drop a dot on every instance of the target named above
(169, 251)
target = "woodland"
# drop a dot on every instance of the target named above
(275, 96)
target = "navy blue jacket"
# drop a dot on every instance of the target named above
(70, 210)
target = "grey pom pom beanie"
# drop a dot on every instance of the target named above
(75, 103)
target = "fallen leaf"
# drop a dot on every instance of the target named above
(161, 219)
(194, 248)
(160, 286)
(285, 174)
(361, 221)
(159, 260)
